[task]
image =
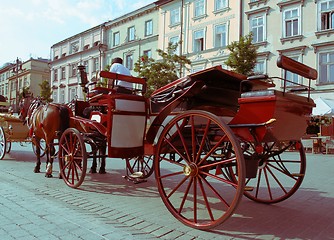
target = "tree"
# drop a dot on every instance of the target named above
(25, 92)
(243, 54)
(163, 71)
(46, 91)
(104, 81)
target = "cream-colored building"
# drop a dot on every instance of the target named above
(129, 37)
(133, 35)
(28, 74)
(204, 27)
(85, 48)
(300, 29)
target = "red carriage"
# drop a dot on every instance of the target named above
(210, 138)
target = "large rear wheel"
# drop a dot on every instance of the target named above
(280, 171)
(192, 160)
(72, 158)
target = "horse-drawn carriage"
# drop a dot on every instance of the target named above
(210, 138)
(11, 129)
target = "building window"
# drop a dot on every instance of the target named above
(72, 93)
(74, 47)
(55, 76)
(326, 67)
(63, 72)
(55, 96)
(220, 4)
(129, 61)
(327, 15)
(199, 41)
(175, 16)
(73, 71)
(62, 96)
(116, 39)
(131, 33)
(148, 53)
(85, 63)
(291, 23)
(148, 28)
(199, 8)
(96, 66)
(257, 26)
(25, 82)
(220, 35)
(292, 77)
(175, 40)
(260, 67)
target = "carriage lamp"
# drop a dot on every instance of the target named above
(83, 76)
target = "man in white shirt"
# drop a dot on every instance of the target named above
(117, 67)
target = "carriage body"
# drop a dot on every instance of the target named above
(11, 128)
(220, 134)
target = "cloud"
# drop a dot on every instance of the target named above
(32, 27)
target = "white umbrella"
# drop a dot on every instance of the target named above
(324, 107)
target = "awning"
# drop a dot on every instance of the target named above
(324, 107)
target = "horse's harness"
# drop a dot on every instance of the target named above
(34, 105)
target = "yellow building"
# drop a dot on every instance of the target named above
(204, 27)
(300, 29)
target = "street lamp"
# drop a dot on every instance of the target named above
(17, 67)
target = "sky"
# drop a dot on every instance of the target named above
(30, 27)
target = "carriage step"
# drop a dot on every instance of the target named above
(248, 189)
(298, 174)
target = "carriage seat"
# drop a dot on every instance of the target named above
(80, 108)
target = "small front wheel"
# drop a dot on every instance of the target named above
(8, 146)
(3, 143)
(72, 158)
(143, 164)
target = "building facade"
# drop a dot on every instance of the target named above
(128, 37)
(300, 29)
(203, 27)
(87, 49)
(14, 77)
(133, 35)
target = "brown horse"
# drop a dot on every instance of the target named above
(45, 121)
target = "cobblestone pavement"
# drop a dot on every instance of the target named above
(109, 207)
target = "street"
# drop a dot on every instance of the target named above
(107, 206)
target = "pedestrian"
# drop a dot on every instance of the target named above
(121, 86)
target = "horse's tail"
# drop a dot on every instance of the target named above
(65, 118)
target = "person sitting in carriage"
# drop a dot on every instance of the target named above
(118, 67)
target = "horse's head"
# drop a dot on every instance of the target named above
(27, 106)
(23, 107)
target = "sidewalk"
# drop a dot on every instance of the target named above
(109, 207)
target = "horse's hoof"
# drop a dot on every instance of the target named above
(48, 175)
(36, 170)
(102, 171)
(60, 177)
(92, 170)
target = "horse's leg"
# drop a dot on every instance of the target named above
(51, 153)
(94, 163)
(37, 168)
(103, 159)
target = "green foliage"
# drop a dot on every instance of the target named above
(163, 71)
(46, 91)
(25, 92)
(242, 58)
(104, 81)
